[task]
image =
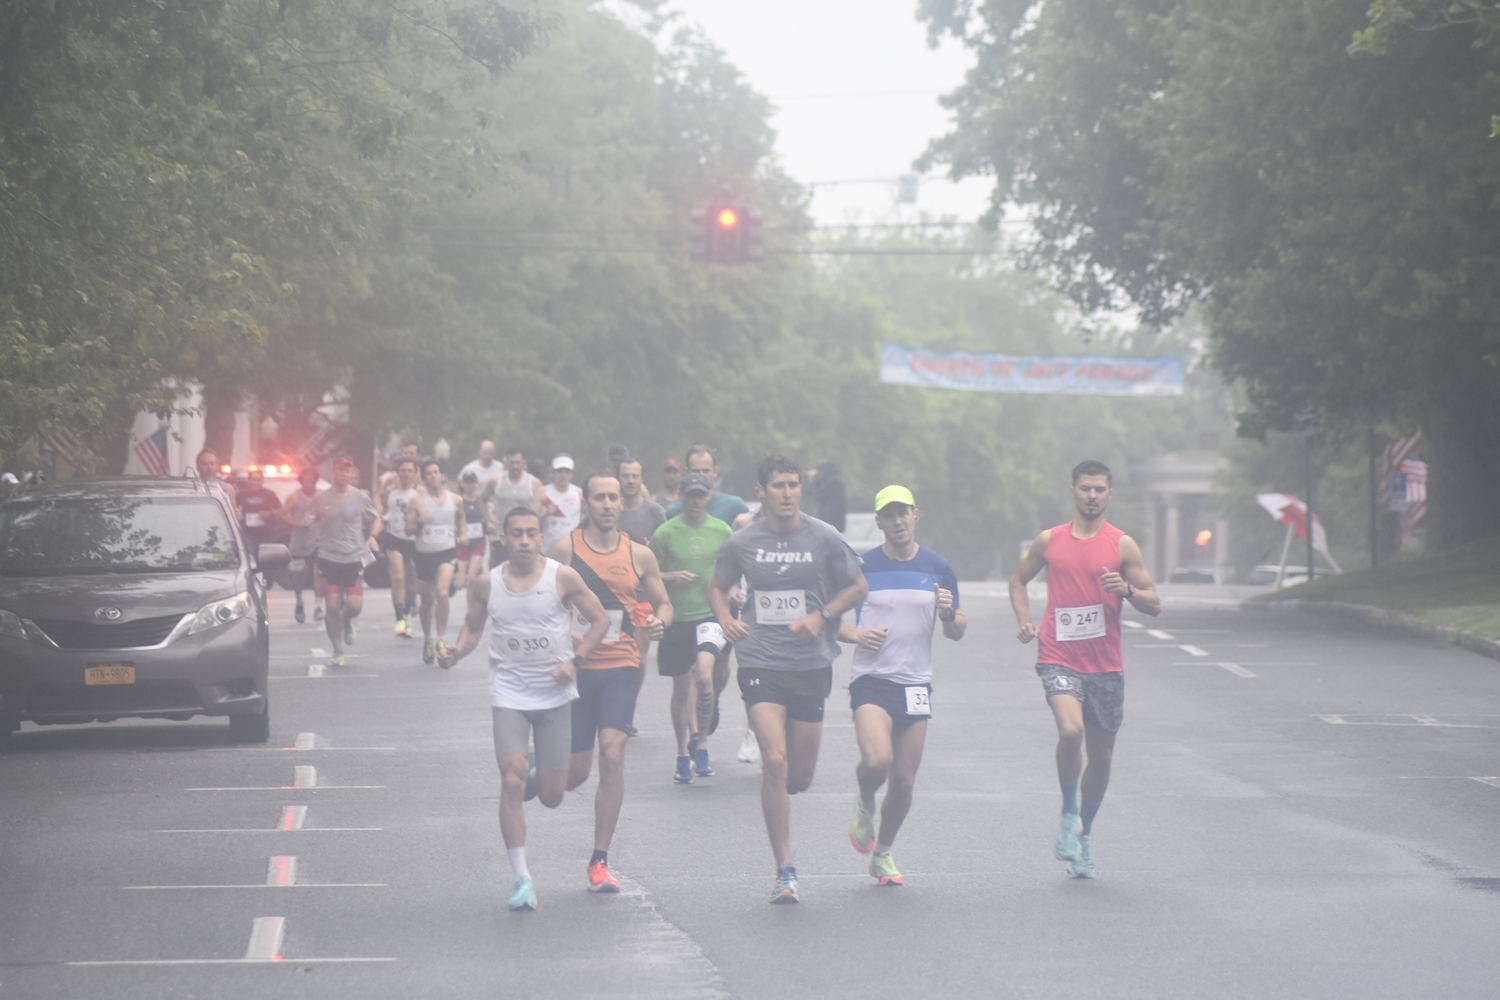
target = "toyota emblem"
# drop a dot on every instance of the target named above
(108, 614)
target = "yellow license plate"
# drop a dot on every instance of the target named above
(109, 673)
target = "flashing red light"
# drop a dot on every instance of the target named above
(226, 470)
(1204, 537)
(727, 218)
(253, 468)
(286, 470)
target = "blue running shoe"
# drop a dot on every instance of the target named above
(684, 773)
(701, 764)
(1066, 845)
(1083, 865)
(523, 897)
(530, 777)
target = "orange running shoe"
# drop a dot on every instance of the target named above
(600, 880)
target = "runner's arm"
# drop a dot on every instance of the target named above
(460, 523)
(656, 592)
(718, 602)
(562, 551)
(869, 638)
(468, 636)
(954, 627)
(1133, 573)
(810, 625)
(573, 591)
(1020, 601)
(285, 513)
(538, 496)
(415, 512)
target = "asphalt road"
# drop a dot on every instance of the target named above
(1300, 809)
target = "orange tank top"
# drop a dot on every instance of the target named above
(613, 579)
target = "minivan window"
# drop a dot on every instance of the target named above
(65, 537)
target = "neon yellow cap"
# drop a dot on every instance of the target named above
(894, 494)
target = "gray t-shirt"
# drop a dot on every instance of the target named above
(341, 523)
(788, 576)
(640, 524)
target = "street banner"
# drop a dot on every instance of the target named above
(1089, 375)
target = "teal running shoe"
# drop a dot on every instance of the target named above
(786, 885)
(523, 897)
(1083, 865)
(862, 829)
(1066, 845)
(530, 777)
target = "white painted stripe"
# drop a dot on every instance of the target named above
(1250, 663)
(1427, 720)
(307, 656)
(292, 963)
(1340, 720)
(292, 817)
(1157, 633)
(305, 776)
(310, 829)
(299, 885)
(1495, 782)
(305, 741)
(1130, 624)
(317, 651)
(1193, 650)
(266, 935)
(325, 676)
(282, 870)
(283, 788)
(1236, 669)
(315, 670)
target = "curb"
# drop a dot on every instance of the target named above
(1394, 620)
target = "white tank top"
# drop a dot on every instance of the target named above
(395, 512)
(571, 504)
(530, 634)
(508, 496)
(436, 534)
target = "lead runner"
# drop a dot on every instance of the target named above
(1093, 568)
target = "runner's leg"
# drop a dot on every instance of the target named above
(802, 742)
(1068, 713)
(611, 792)
(768, 721)
(906, 759)
(682, 689)
(444, 581)
(872, 730)
(426, 591)
(333, 621)
(704, 693)
(397, 567)
(1101, 752)
(512, 795)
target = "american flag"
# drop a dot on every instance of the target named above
(1416, 500)
(64, 442)
(153, 453)
(1395, 453)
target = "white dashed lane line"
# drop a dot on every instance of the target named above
(1157, 633)
(267, 937)
(1193, 650)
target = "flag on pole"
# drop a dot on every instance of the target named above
(153, 453)
(1292, 512)
(1416, 500)
(1396, 452)
(70, 446)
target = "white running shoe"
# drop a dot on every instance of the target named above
(750, 748)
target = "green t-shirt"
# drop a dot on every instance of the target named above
(693, 547)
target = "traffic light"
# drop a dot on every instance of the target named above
(726, 234)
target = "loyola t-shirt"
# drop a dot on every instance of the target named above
(693, 547)
(901, 600)
(788, 576)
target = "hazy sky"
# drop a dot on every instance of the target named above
(857, 90)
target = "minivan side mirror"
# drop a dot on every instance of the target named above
(272, 557)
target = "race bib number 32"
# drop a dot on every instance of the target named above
(1074, 624)
(779, 607)
(918, 700)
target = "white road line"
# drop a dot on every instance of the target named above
(298, 885)
(1157, 633)
(304, 776)
(1340, 720)
(282, 870)
(317, 651)
(292, 817)
(1130, 624)
(315, 670)
(324, 676)
(309, 829)
(305, 741)
(1193, 650)
(1236, 669)
(1495, 782)
(1256, 663)
(266, 935)
(285, 788)
(290, 963)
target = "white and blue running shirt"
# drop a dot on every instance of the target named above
(901, 600)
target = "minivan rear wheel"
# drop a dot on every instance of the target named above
(251, 728)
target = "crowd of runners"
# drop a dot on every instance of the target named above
(574, 581)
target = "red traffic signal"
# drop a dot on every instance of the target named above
(726, 234)
(727, 218)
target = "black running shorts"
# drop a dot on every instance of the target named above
(867, 689)
(682, 643)
(428, 563)
(606, 700)
(801, 692)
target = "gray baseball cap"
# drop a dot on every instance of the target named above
(695, 482)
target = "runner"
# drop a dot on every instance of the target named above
(693, 647)
(434, 518)
(409, 450)
(802, 576)
(641, 516)
(256, 506)
(517, 488)
(485, 468)
(532, 677)
(207, 464)
(303, 545)
(476, 527)
(344, 518)
(1092, 569)
(614, 568)
(671, 480)
(400, 547)
(563, 502)
(725, 506)
(911, 589)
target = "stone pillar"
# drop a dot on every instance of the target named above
(1222, 568)
(1173, 547)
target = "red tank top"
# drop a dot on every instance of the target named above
(612, 578)
(1078, 606)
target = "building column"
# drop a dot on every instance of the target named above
(1222, 569)
(1173, 546)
